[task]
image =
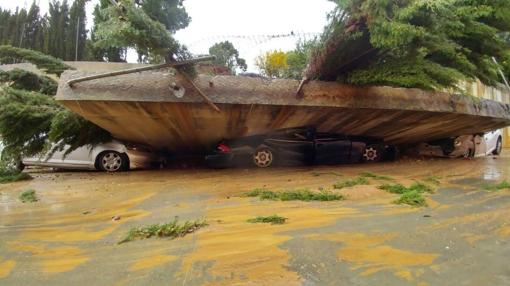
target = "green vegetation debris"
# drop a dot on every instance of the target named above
(412, 198)
(351, 183)
(412, 195)
(401, 189)
(496, 187)
(375, 176)
(28, 196)
(171, 230)
(295, 195)
(274, 219)
(9, 176)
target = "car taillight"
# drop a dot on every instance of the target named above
(223, 148)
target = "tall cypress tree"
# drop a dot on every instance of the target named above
(77, 25)
(33, 29)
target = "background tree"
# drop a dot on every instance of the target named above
(227, 56)
(33, 34)
(77, 25)
(298, 58)
(272, 64)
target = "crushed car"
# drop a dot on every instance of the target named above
(464, 146)
(113, 156)
(301, 145)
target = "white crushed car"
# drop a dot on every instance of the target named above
(467, 146)
(109, 157)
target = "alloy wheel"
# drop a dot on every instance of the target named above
(263, 158)
(371, 154)
(111, 162)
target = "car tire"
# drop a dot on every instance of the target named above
(372, 154)
(499, 147)
(263, 157)
(112, 161)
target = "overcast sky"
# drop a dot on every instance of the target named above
(213, 20)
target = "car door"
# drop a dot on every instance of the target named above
(331, 150)
(491, 140)
(79, 158)
(294, 148)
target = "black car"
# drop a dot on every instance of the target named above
(301, 145)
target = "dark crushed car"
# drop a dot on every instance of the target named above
(301, 145)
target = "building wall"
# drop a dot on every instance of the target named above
(500, 93)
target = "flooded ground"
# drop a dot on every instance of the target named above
(69, 237)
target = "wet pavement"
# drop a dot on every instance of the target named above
(70, 238)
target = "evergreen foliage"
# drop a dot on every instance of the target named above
(228, 56)
(31, 123)
(127, 25)
(425, 44)
(48, 64)
(22, 79)
(96, 53)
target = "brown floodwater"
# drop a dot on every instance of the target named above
(70, 235)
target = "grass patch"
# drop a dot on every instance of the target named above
(375, 176)
(28, 196)
(412, 195)
(10, 176)
(351, 183)
(295, 195)
(274, 219)
(496, 187)
(171, 230)
(412, 198)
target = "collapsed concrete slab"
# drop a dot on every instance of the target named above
(162, 109)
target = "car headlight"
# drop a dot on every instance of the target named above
(457, 143)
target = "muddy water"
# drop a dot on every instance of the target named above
(69, 236)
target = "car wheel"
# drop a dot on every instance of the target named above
(112, 161)
(263, 157)
(499, 147)
(372, 153)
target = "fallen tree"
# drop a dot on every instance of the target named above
(425, 44)
(31, 121)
